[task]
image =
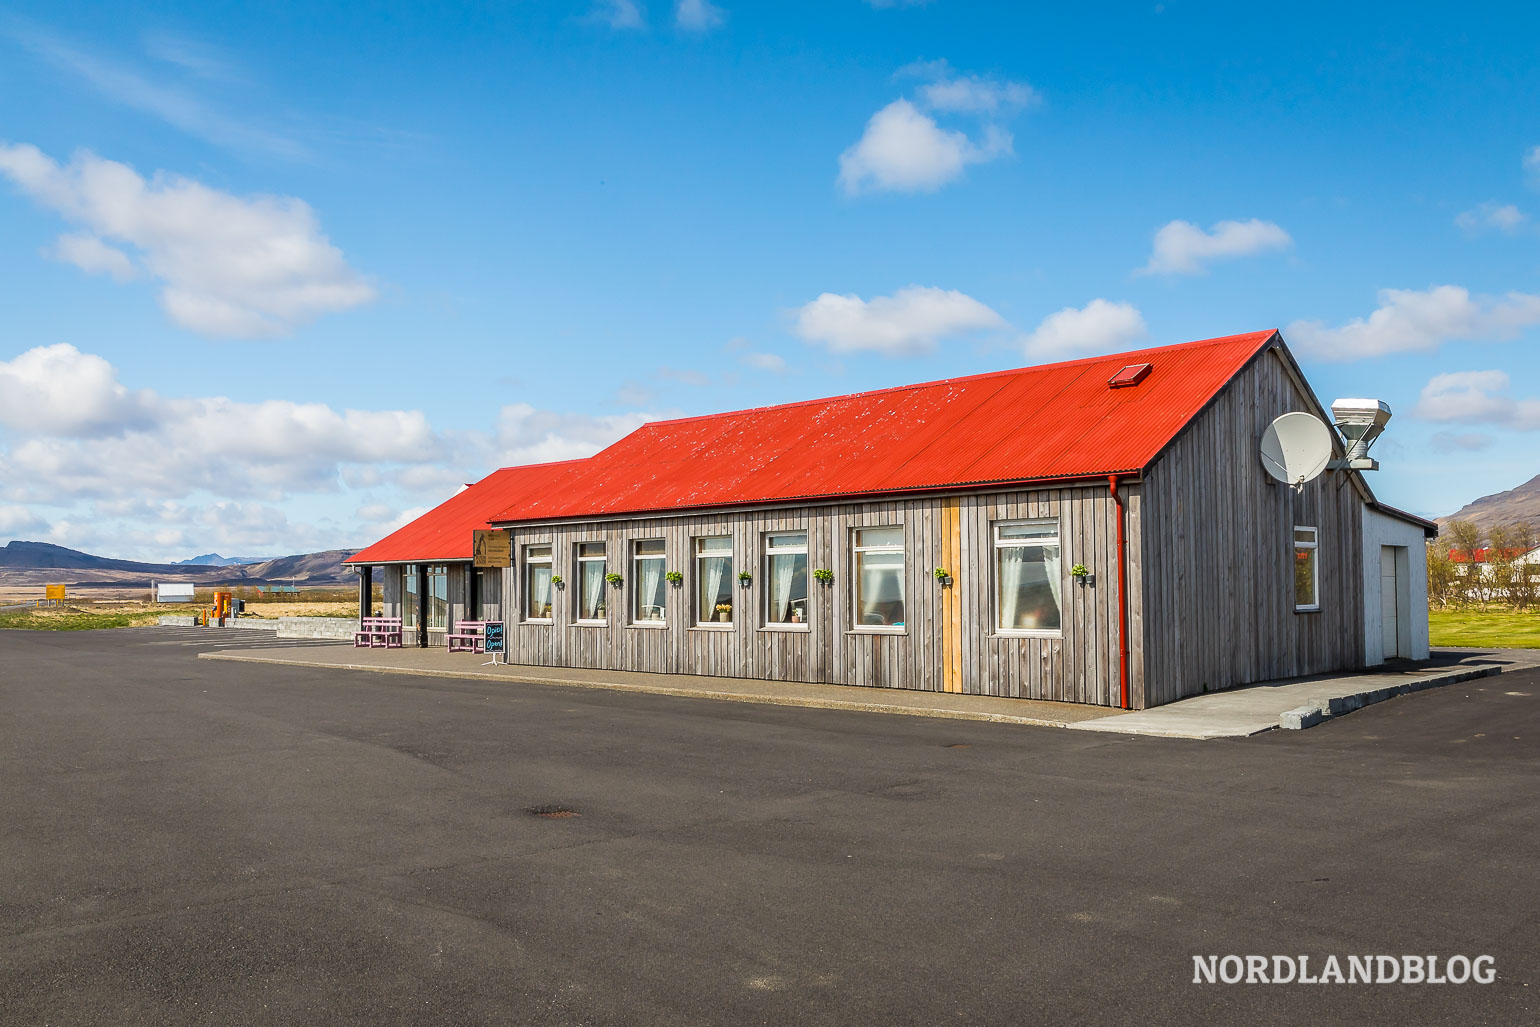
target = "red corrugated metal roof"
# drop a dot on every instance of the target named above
(444, 533)
(1045, 422)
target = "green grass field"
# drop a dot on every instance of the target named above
(71, 620)
(1502, 629)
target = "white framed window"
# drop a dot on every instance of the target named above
(592, 608)
(786, 580)
(714, 580)
(438, 597)
(409, 596)
(1029, 582)
(649, 589)
(537, 583)
(1307, 571)
(879, 577)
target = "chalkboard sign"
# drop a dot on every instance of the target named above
(493, 632)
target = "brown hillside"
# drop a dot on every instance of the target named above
(1502, 508)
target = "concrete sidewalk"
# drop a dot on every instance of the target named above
(1295, 704)
(440, 663)
(1235, 713)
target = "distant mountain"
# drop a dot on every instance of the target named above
(33, 562)
(215, 560)
(36, 555)
(1502, 508)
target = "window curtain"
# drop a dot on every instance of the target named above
(1055, 585)
(782, 570)
(650, 600)
(1013, 576)
(711, 589)
(882, 588)
(539, 590)
(592, 587)
(438, 598)
(409, 597)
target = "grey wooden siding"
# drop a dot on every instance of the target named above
(949, 643)
(390, 582)
(1217, 552)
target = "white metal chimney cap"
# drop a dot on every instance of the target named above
(1361, 411)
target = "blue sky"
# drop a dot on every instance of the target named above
(277, 278)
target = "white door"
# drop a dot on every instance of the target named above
(1389, 587)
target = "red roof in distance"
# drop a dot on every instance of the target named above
(444, 533)
(1052, 421)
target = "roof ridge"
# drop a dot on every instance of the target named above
(895, 389)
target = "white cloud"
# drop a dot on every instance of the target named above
(78, 431)
(633, 393)
(1461, 442)
(909, 322)
(1408, 321)
(619, 14)
(93, 256)
(133, 473)
(973, 94)
(1101, 326)
(184, 108)
(684, 376)
(1181, 247)
(230, 266)
(59, 390)
(1476, 397)
(193, 56)
(904, 150)
(697, 15)
(526, 435)
(20, 522)
(771, 362)
(1505, 218)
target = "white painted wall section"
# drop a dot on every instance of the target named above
(1405, 569)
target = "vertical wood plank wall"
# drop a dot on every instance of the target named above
(949, 644)
(1216, 535)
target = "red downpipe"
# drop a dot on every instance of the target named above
(1112, 481)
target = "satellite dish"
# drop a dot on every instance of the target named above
(1296, 448)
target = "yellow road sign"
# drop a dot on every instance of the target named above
(492, 549)
(52, 592)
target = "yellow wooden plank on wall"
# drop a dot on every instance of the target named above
(951, 598)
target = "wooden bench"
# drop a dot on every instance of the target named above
(469, 636)
(377, 632)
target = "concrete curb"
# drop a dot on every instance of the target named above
(335, 628)
(764, 699)
(1318, 710)
(171, 620)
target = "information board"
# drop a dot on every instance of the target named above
(52, 592)
(491, 548)
(492, 632)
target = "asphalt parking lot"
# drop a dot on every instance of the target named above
(215, 843)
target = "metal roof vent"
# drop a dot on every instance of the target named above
(1133, 374)
(1360, 421)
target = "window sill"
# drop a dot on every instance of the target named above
(713, 627)
(870, 630)
(538, 620)
(1308, 609)
(651, 626)
(785, 627)
(1026, 633)
(589, 624)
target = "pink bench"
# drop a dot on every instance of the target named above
(469, 636)
(378, 632)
